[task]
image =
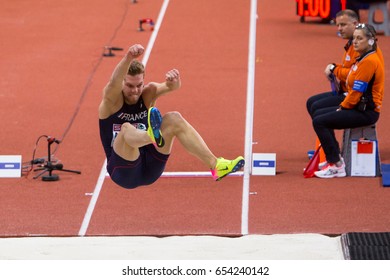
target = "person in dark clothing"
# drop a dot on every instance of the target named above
(346, 21)
(362, 104)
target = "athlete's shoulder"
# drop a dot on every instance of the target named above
(149, 93)
(107, 108)
(151, 87)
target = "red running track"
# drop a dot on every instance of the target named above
(52, 51)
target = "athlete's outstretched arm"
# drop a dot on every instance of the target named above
(112, 92)
(172, 82)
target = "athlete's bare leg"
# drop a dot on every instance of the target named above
(175, 126)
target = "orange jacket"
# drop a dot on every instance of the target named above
(366, 75)
(341, 71)
(350, 55)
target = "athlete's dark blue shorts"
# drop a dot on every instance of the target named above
(141, 172)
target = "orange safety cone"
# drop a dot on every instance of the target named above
(312, 166)
(322, 153)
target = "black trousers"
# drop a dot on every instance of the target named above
(326, 120)
(323, 100)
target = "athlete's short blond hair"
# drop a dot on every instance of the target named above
(136, 68)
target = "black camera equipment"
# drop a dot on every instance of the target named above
(49, 166)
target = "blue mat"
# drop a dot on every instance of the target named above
(385, 174)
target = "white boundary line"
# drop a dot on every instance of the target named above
(99, 184)
(152, 39)
(92, 203)
(249, 118)
(192, 174)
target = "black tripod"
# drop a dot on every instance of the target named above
(49, 166)
(110, 49)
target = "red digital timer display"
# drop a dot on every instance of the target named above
(317, 8)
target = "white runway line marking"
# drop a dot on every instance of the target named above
(92, 203)
(191, 174)
(152, 39)
(99, 184)
(249, 118)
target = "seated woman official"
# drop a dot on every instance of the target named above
(362, 104)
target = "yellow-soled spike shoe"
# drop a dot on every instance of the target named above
(154, 124)
(225, 166)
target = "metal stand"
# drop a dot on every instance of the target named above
(49, 166)
(108, 50)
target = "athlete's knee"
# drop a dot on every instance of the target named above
(173, 116)
(173, 123)
(126, 126)
(173, 119)
(120, 138)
